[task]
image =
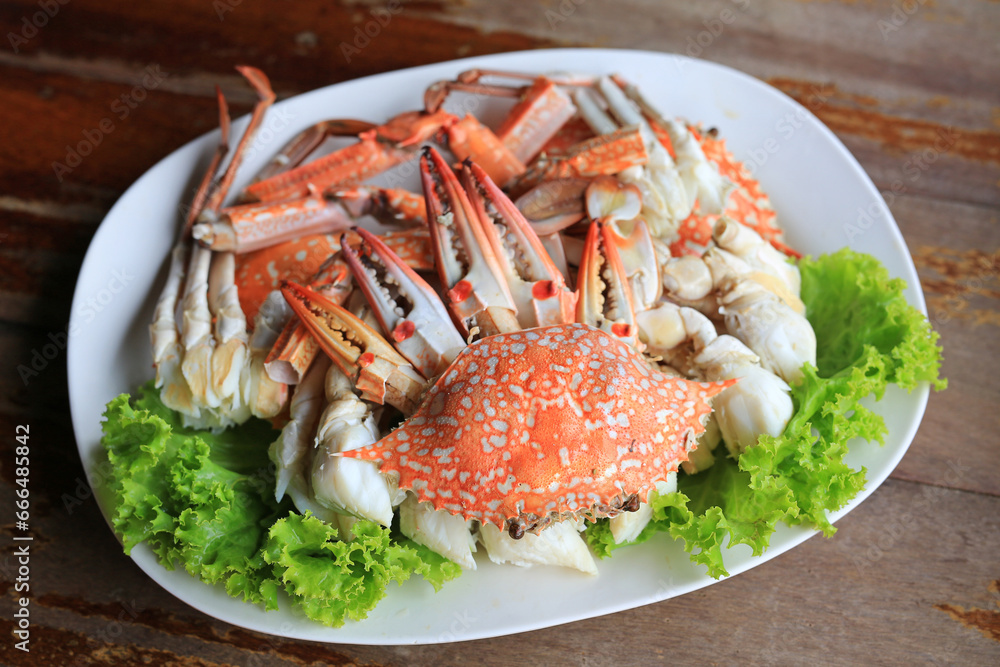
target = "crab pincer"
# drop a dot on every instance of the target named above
(409, 310)
(536, 285)
(466, 262)
(605, 295)
(619, 204)
(295, 348)
(380, 373)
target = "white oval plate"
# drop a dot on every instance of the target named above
(815, 184)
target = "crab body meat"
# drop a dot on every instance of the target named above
(528, 427)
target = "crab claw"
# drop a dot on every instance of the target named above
(293, 352)
(409, 311)
(620, 204)
(537, 286)
(378, 371)
(467, 265)
(554, 205)
(605, 294)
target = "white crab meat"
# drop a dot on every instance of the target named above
(759, 403)
(558, 544)
(761, 261)
(782, 338)
(439, 531)
(344, 484)
(291, 452)
(702, 456)
(701, 178)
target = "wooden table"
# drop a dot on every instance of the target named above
(911, 87)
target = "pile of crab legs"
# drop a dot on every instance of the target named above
(642, 204)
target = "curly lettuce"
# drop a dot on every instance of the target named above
(206, 501)
(868, 337)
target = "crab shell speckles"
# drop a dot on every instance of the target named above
(544, 423)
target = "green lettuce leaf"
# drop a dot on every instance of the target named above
(868, 337)
(332, 580)
(206, 501)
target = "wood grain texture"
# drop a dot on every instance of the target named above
(911, 576)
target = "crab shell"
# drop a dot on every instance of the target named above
(533, 426)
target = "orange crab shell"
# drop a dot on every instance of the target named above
(543, 423)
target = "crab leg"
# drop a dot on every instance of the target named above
(387, 205)
(163, 332)
(536, 118)
(196, 326)
(307, 141)
(573, 132)
(231, 337)
(255, 226)
(348, 166)
(406, 307)
(205, 187)
(260, 225)
(536, 285)
(265, 98)
(380, 373)
(468, 82)
(167, 349)
(554, 205)
(237, 370)
(602, 155)
(468, 138)
(380, 148)
(477, 294)
(212, 365)
(619, 204)
(543, 108)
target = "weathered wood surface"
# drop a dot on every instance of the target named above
(912, 88)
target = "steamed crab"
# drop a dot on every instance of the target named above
(529, 407)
